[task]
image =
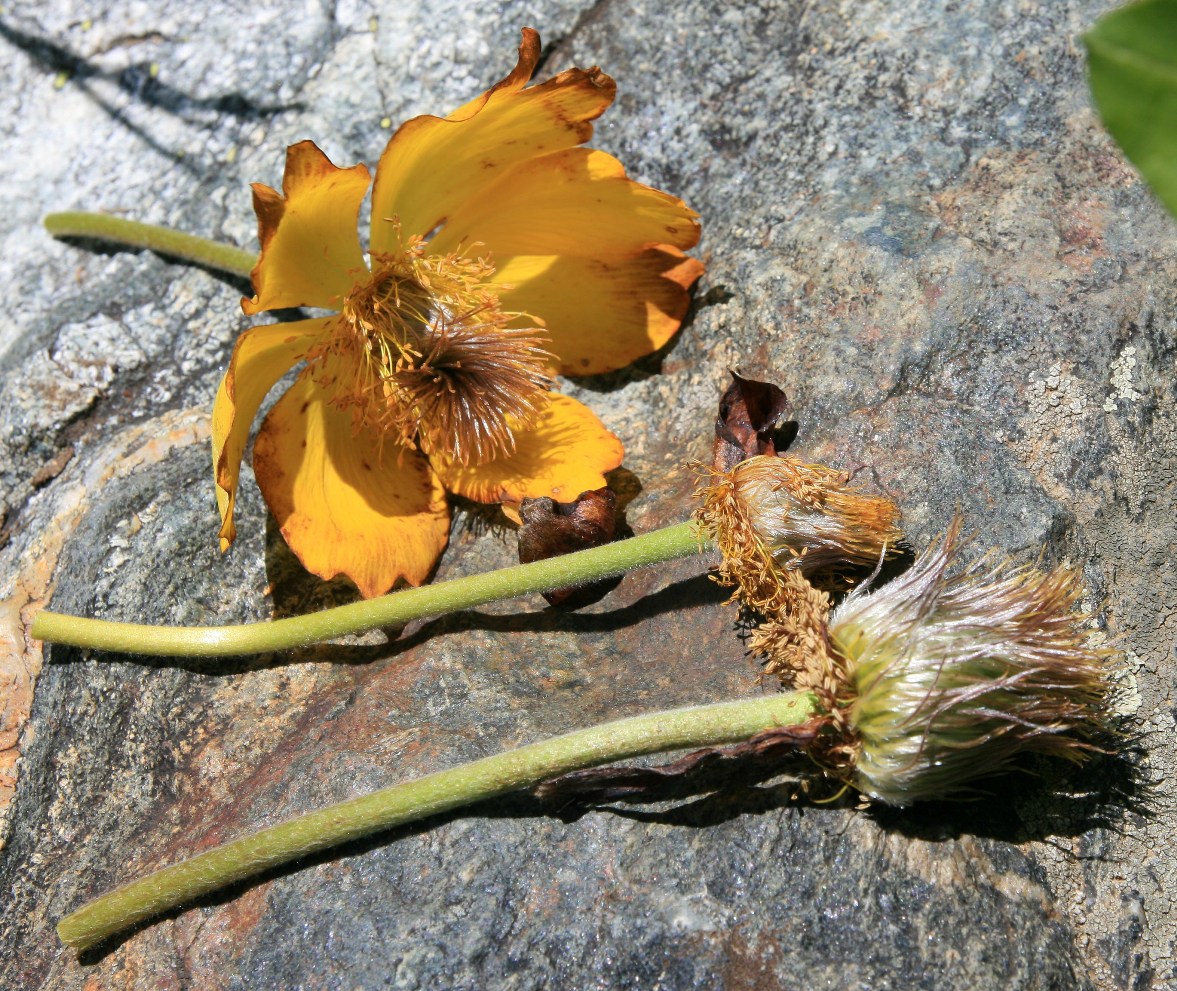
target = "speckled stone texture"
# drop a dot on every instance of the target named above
(914, 222)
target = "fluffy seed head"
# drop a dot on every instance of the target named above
(938, 679)
(769, 514)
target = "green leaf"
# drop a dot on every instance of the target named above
(1132, 61)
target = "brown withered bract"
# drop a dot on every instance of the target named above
(769, 512)
(773, 512)
(749, 413)
(553, 528)
(706, 770)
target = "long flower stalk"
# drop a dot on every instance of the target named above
(182, 883)
(164, 240)
(394, 609)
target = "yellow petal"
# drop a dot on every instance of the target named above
(602, 313)
(576, 201)
(432, 166)
(310, 250)
(261, 357)
(344, 506)
(566, 454)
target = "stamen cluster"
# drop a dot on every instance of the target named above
(423, 352)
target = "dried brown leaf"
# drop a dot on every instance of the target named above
(702, 770)
(553, 528)
(749, 413)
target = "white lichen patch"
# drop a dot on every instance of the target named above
(1126, 700)
(1056, 403)
(1053, 426)
(125, 530)
(1122, 390)
(122, 540)
(1055, 394)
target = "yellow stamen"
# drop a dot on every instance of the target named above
(423, 352)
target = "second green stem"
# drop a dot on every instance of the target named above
(676, 729)
(394, 609)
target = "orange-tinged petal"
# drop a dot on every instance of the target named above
(344, 506)
(261, 357)
(310, 249)
(576, 201)
(602, 313)
(432, 166)
(566, 454)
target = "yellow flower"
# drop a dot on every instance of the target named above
(501, 253)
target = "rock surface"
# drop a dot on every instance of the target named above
(919, 229)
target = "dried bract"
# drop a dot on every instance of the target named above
(749, 412)
(553, 528)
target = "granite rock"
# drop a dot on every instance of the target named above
(912, 221)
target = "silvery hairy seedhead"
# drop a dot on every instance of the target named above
(944, 674)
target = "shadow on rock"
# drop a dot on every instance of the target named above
(140, 84)
(1035, 801)
(688, 593)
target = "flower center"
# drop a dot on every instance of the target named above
(423, 352)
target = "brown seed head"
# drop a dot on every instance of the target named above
(770, 514)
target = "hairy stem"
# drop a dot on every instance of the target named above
(164, 240)
(676, 729)
(394, 609)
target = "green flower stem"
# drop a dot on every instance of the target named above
(202, 251)
(676, 729)
(394, 609)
